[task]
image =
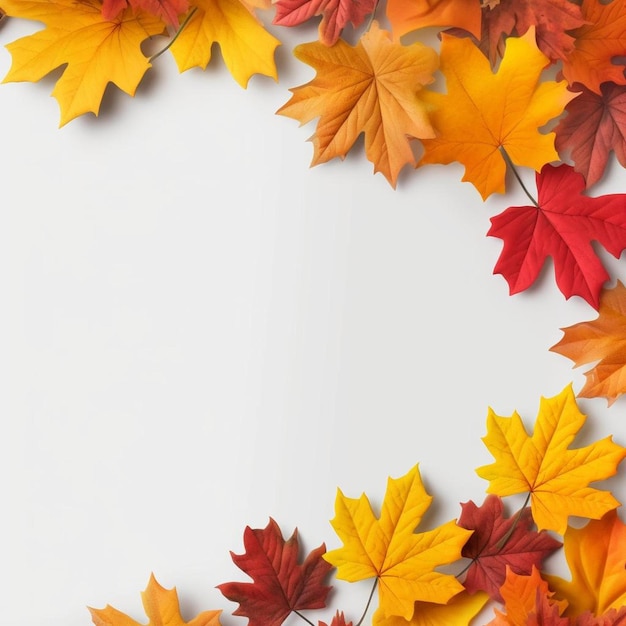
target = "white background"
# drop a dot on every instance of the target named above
(198, 332)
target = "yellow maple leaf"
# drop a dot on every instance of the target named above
(388, 548)
(371, 88)
(246, 47)
(596, 556)
(555, 476)
(602, 340)
(460, 611)
(161, 607)
(97, 51)
(484, 112)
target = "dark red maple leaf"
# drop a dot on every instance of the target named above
(498, 542)
(562, 226)
(594, 126)
(338, 620)
(551, 19)
(614, 617)
(281, 585)
(336, 14)
(168, 10)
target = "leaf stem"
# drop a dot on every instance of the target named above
(465, 569)
(507, 158)
(175, 37)
(308, 621)
(369, 24)
(369, 601)
(502, 542)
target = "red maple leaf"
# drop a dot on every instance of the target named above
(594, 125)
(338, 620)
(614, 617)
(281, 585)
(335, 15)
(561, 226)
(551, 19)
(498, 542)
(168, 10)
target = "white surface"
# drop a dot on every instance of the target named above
(199, 332)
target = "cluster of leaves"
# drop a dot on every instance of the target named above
(499, 558)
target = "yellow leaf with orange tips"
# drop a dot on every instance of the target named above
(601, 341)
(484, 112)
(372, 88)
(96, 51)
(596, 556)
(246, 46)
(389, 549)
(409, 15)
(460, 611)
(161, 607)
(556, 477)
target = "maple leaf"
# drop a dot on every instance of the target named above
(602, 340)
(387, 547)
(499, 543)
(162, 609)
(336, 14)
(460, 611)
(405, 16)
(562, 226)
(96, 51)
(597, 44)
(596, 556)
(246, 46)
(281, 585)
(167, 10)
(371, 88)
(528, 602)
(338, 620)
(614, 617)
(594, 126)
(555, 476)
(485, 112)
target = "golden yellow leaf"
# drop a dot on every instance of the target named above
(371, 88)
(602, 340)
(485, 112)
(161, 607)
(388, 548)
(596, 556)
(247, 48)
(97, 51)
(543, 465)
(460, 611)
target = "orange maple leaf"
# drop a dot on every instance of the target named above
(162, 609)
(596, 556)
(371, 88)
(596, 44)
(543, 465)
(603, 341)
(405, 16)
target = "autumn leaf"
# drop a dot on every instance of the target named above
(460, 611)
(409, 15)
(499, 543)
(596, 556)
(387, 547)
(528, 602)
(96, 51)
(597, 45)
(562, 226)
(555, 476)
(167, 10)
(336, 15)
(280, 584)
(246, 46)
(614, 617)
(594, 126)
(161, 607)
(484, 113)
(371, 88)
(602, 340)
(338, 620)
